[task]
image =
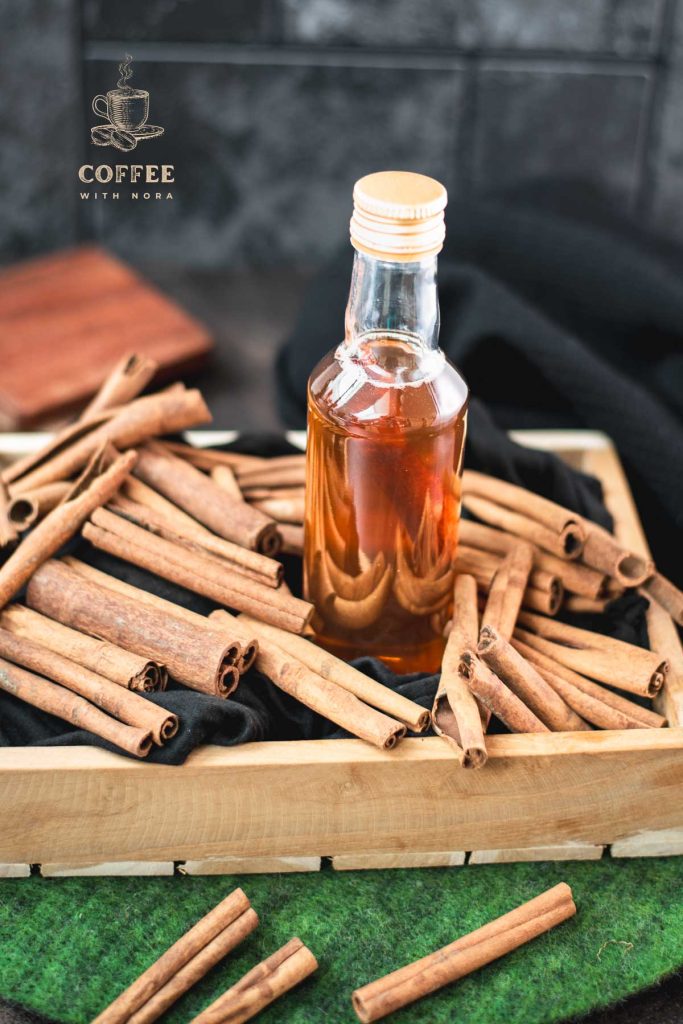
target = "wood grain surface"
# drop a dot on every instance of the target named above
(67, 318)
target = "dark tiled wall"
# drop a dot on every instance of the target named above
(272, 108)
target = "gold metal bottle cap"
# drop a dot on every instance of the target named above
(398, 215)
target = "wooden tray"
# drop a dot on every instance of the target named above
(286, 806)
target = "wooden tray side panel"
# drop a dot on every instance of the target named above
(324, 798)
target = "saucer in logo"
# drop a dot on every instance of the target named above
(125, 111)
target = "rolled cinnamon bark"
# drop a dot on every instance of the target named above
(265, 983)
(242, 560)
(523, 679)
(582, 605)
(663, 591)
(8, 532)
(506, 592)
(292, 538)
(496, 696)
(197, 494)
(232, 631)
(285, 509)
(664, 639)
(27, 507)
(127, 380)
(207, 458)
(224, 478)
(59, 526)
(196, 968)
(459, 958)
(556, 526)
(135, 490)
(114, 663)
(602, 552)
(163, 413)
(134, 998)
(56, 700)
(455, 714)
(574, 576)
(281, 471)
(326, 698)
(17, 471)
(195, 657)
(592, 702)
(600, 657)
(117, 701)
(544, 592)
(346, 676)
(196, 571)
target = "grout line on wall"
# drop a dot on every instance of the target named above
(651, 134)
(427, 60)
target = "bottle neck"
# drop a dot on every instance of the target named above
(394, 300)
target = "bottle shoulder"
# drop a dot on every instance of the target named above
(370, 391)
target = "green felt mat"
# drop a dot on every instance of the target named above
(68, 946)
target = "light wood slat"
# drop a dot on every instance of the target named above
(664, 843)
(378, 861)
(15, 870)
(249, 865)
(110, 869)
(569, 851)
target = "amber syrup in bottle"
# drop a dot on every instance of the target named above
(386, 433)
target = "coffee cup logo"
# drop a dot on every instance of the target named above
(125, 111)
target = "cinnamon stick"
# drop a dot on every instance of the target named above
(604, 553)
(523, 679)
(282, 508)
(325, 697)
(346, 676)
(196, 968)
(506, 592)
(265, 983)
(459, 958)
(195, 657)
(242, 560)
(281, 471)
(58, 443)
(118, 702)
(121, 667)
(195, 571)
(162, 413)
(600, 657)
(664, 639)
(230, 628)
(59, 526)
(543, 593)
(229, 911)
(197, 494)
(62, 703)
(207, 458)
(8, 533)
(663, 591)
(27, 507)
(126, 381)
(292, 538)
(224, 478)
(496, 696)
(592, 702)
(455, 715)
(574, 576)
(551, 526)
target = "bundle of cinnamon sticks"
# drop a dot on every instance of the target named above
(210, 940)
(80, 635)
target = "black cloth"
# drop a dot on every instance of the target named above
(561, 313)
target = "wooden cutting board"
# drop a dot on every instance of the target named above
(67, 318)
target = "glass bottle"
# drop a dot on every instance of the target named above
(386, 432)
